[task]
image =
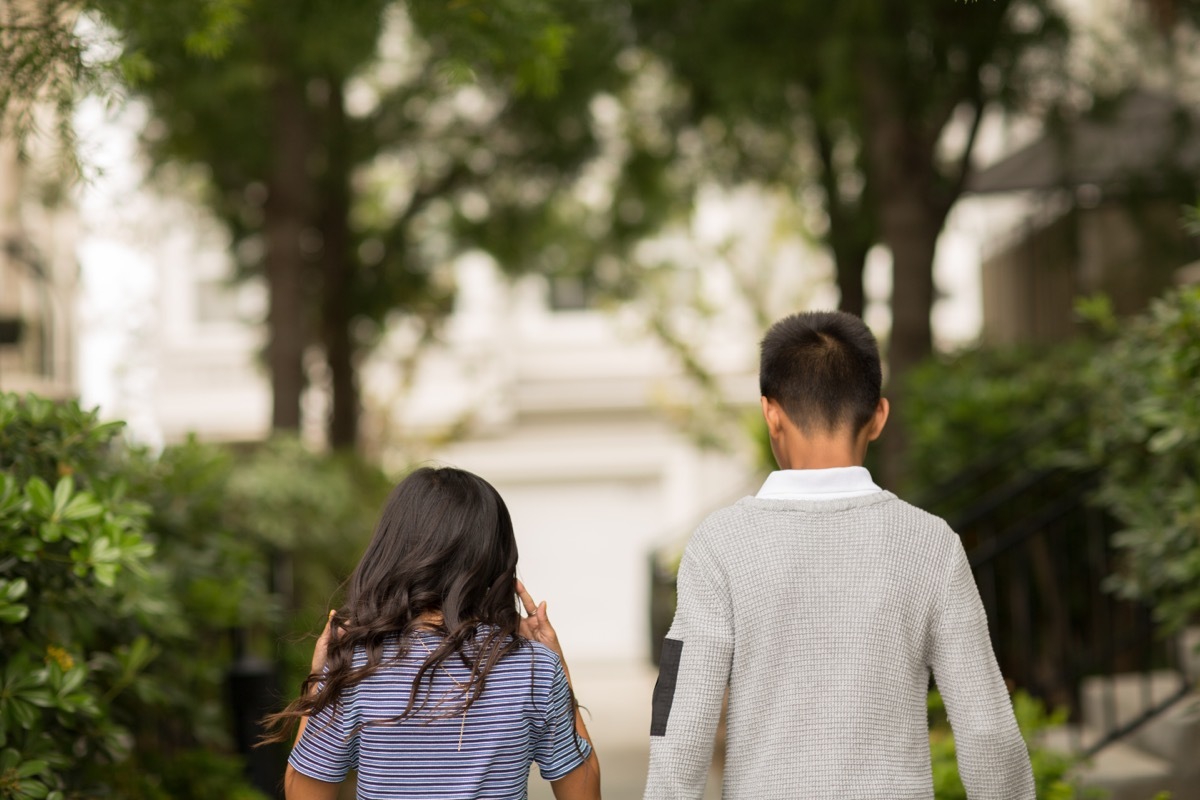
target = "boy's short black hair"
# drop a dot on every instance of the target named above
(823, 369)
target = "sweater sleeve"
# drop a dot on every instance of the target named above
(993, 760)
(696, 659)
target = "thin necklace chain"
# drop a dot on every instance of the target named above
(462, 728)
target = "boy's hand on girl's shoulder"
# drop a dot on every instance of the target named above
(536, 626)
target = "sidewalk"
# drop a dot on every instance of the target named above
(617, 695)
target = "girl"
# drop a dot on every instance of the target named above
(428, 681)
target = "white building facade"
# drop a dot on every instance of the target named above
(574, 416)
(38, 272)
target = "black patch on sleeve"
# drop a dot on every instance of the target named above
(664, 689)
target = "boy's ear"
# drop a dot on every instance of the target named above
(772, 414)
(878, 420)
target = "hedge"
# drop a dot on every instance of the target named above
(124, 576)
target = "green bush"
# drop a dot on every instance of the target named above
(215, 580)
(1050, 767)
(1126, 405)
(85, 609)
(123, 578)
(261, 538)
(979, 403)
(1145, 436)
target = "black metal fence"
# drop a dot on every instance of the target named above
(1042, 555)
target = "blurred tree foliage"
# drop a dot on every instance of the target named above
(340, 209)
(1021, 402)
(39, 60)
(123, 578)
(254, 92)
(856, 98)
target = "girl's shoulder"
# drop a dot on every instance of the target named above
(534, 671)
(532, 665)
(528, 655)
(539, 655)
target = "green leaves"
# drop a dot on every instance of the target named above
(23, 694)
(41, 501)
(102, 546)
(75, 590)
(1127, 405)
(1050, 767)
(1145, 435)
(61, 509)
(12, 612)
(221, 19)
(15, 775)
(121, 576)
(75, 508)
(29, 775)
(525, 39)
(959, 409)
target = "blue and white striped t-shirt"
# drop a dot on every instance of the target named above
(524, 715)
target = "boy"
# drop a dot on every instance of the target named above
(823, 604)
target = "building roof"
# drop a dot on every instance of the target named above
(1144, 135)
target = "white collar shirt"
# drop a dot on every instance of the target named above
(835, 483)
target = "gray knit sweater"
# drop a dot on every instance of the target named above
(824, 619)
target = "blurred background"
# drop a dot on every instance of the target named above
(300, 248)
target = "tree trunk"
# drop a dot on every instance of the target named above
(910, 232)
(337, 313)
(849, 264)
(900, 157)
(850, 235)
(285, 217)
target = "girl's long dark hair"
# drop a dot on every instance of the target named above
(445, 544)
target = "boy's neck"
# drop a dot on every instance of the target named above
(818, 454)
(814, 448)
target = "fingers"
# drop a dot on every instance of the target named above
(543, 618)
(526, 599)
(324, 634)
(320, 650)
(536, 623)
